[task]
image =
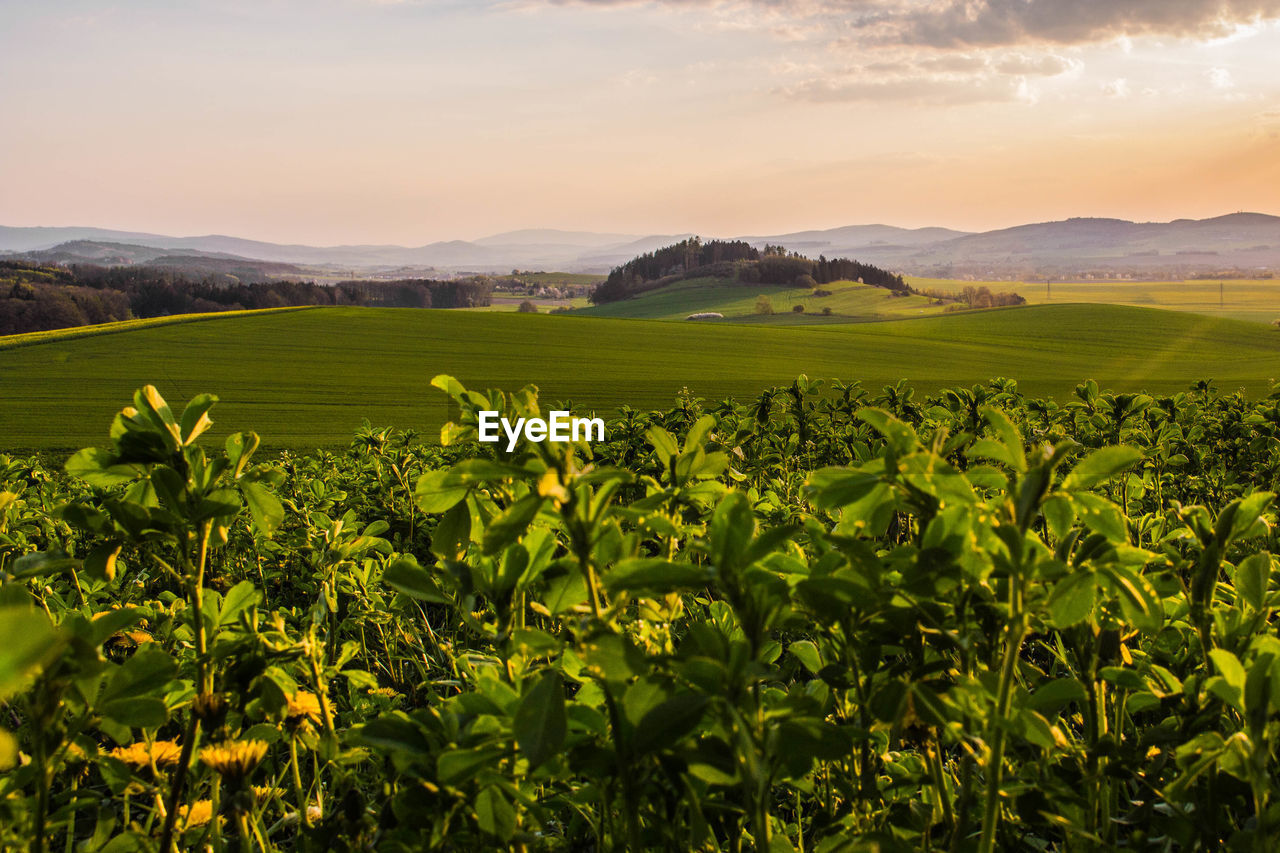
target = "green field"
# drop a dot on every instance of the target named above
(1255, 300)
(555, 279)
(737, 302)
(308, 377)
(507, 303)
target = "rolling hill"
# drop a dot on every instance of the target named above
(306, 378)
(849, 301)
(1240, 240)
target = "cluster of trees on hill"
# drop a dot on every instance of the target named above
(35, 298)
(692, 258)
(975, 297)
(660, 267)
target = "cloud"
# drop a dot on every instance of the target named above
(1220, 78)
(919, 90)
(955, 78)
(1117, 88)
(992, 23)
(1049, 65)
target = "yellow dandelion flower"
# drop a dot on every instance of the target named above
(161, 753)
(198, 813)
(385, 692)
(303, 705)
(236, 759)
(264, 794)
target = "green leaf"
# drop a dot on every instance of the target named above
(1101, 465)
(264, 507)
(453, 533)
(1253, 578)
(1102, 516)
(240, 447)
(988, 448)
(99, 468)
(509, 526)
(436, 492)
(27, 641)
(147, 671)
(656, 576)
(494, 813)
(406, 576)
(540, 724)
(1051, 697)
(395, 732)
(1059, 514)
(42, 563)
(100, 563)
(899, 435)
(806, 652)
(1138, 598)
(668, 722)
(1227, 665)
(139, 712)
(455, 766)
(1073, 599)
(1010, 438)
(697, 434)
(732, 527)
(195, 417)
(239, 598)
(8, 751)
(663, 444)
(1245, 521)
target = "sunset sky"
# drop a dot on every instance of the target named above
(342, 121)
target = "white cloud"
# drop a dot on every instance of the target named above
(1220, 78)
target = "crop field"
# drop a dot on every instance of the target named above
(555, 279)
(823, 619)
(512, 303)
(1254, 300)
(737, 301)
(308, 378)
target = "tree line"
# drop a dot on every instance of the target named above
(36, 298)
(691, 258)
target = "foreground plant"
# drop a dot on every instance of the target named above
(827, 619)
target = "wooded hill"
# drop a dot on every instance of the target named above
(36, 298)
(736, 260)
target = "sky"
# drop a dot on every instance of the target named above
(373, 121)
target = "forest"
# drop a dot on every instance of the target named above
(738, 260)
(36, 298)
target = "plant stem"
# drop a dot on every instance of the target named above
(995, 761)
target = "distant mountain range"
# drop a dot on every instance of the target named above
(1242, 241)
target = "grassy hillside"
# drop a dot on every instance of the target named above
(1256, 300)
(308, 377)
(737, 301)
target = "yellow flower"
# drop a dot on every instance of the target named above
(302, 710)
(303, 705)
(162, 753)
(236, 759)
(198, 813)
(385, 692)
(265, 794)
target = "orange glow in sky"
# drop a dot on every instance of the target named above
(345, 121)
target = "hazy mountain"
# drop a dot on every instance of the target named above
(1239, 240)
(834, 241)
(555, 237)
